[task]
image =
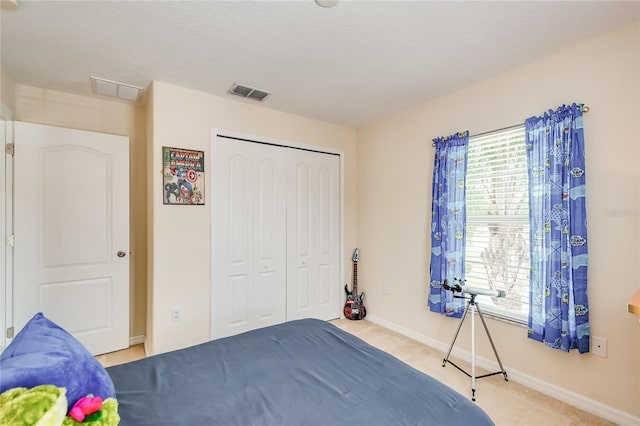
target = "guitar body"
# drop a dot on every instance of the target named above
(354, 308)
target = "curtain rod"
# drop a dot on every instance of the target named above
(584, 110)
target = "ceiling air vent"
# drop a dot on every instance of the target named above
(248, 92)
(116, 89)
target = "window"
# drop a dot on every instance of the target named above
(497, 242)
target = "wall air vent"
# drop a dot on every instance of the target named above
(248, 92)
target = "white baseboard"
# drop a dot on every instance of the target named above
(136, 340)
(580, 401)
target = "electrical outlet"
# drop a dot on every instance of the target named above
(386, 288)
(599, 346)
(176, 313)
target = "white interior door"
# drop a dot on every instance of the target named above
(313, 235)
(249, 250)
(71, 225)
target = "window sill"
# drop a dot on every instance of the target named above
(501, 318)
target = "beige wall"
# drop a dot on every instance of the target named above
(181, 261)
(394, 200)
(37, 105)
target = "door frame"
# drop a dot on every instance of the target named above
(6, 224)
(215, 132)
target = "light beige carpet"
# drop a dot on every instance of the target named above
(507, 403)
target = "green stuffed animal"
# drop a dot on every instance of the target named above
(46, 405)
(39, 406)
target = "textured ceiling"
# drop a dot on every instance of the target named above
(350, 64)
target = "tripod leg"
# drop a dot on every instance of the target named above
(504, 373)
(444, 361)
(473, 350)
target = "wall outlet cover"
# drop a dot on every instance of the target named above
(176, 313)
(599, 346)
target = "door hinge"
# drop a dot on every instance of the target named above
(11, 149)
(10, 333)
(11, 240)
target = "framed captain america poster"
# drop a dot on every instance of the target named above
(183, 176)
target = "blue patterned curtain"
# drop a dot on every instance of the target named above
(448, 219)
(559, 311)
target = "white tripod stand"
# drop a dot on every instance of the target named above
(473, 305)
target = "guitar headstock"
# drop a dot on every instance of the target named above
(356, 255)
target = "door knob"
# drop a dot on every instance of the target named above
(122, 253)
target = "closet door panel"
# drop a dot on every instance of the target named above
(249, 249)
(267, 301)
(238, 290)
(302, 291)
(236, 207)
(234, 201)
(313, 229)
(328, 237)
(325, 284)
(269, 223)
(301, 211)
(267, 210)
(325, 242)
(299, 233)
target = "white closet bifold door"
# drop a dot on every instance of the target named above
(276, 236)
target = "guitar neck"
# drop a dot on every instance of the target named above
(355, 278)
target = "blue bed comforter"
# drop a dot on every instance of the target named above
(305, 372)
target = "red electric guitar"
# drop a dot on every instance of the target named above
(354, 307)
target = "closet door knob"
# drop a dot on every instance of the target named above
(122, 253)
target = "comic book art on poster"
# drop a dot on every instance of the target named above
(183, 171)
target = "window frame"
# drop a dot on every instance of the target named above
(488, 306)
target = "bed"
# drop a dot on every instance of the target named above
(304, 372)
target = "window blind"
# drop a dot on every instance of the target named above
(497, 234)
